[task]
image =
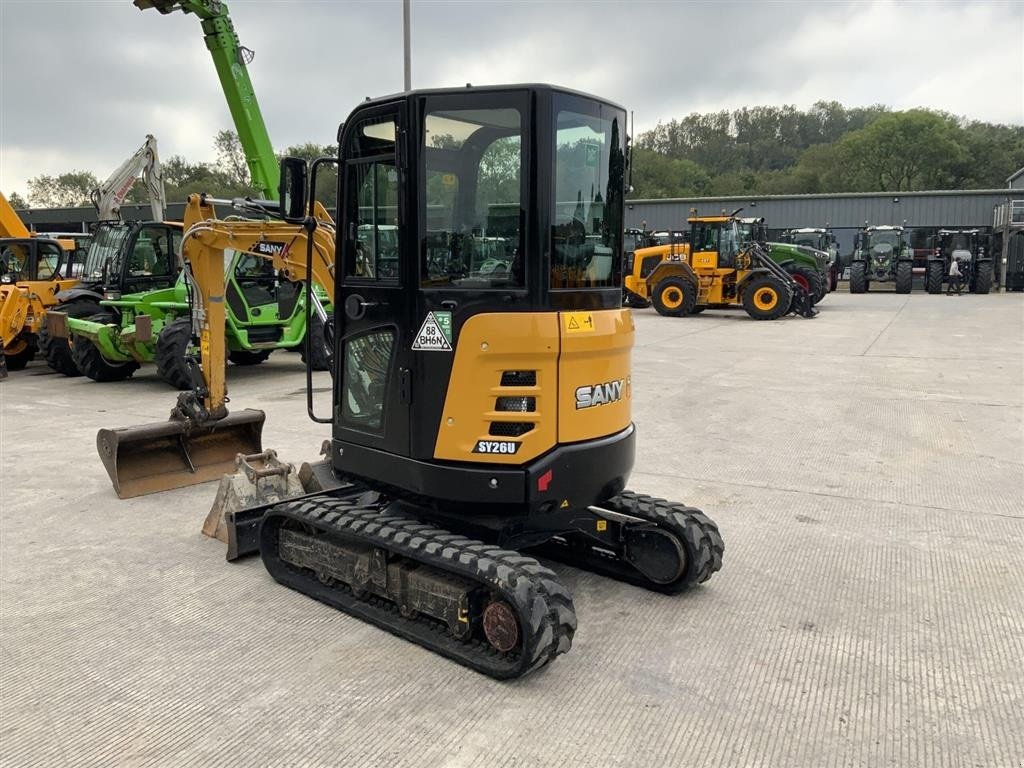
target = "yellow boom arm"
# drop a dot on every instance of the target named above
(206, 239)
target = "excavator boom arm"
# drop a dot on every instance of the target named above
(11, 224)
(206, 239)
(109, 196)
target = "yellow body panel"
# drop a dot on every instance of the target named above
(488, 345)
(23, 306)
(598, 359)
(583, 354)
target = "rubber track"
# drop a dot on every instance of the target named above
(697, 532)
(543, 605)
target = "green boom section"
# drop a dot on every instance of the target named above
(230, 63)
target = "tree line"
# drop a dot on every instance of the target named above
(827, 148)
(754, 150)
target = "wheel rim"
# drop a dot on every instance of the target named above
(16, 347)
(500, 626)
(802, 281)
(672, 297)
(765, 298)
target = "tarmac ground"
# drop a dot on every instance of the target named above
(866, 469)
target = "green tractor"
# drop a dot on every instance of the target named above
(807, 266)
(882, 254)
(823, 240)
(127, 328)
(967, 248)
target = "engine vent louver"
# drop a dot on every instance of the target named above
(509, 428)
(519, 379)
(516, 404)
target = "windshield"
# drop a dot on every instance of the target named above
(960, 242)
(750, 232)
(586, 230)
(879, 240)
(811, 240)
(105, 244)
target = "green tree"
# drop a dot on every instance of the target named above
(67, 190)
(17, 202)
(656, 175)
(231, 158)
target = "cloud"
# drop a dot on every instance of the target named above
(105, 74)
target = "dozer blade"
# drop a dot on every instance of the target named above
(172, 454)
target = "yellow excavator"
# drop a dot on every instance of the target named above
(33, 270)
(201, 440)
(481, 404)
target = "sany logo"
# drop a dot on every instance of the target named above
(600, 394)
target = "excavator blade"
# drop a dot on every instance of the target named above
(172, 454)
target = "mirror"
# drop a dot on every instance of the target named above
(294, 189)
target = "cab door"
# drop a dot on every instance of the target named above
(374, 286)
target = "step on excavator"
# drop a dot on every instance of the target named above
(481, 405)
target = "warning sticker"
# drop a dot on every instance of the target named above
(435, 335)
(578, 322)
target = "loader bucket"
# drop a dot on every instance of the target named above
(172, 454)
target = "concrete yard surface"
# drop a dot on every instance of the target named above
(866, 469)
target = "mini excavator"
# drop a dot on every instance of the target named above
(481, 400)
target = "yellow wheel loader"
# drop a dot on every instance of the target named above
(33, 270)
(482, 389)
(716, 269)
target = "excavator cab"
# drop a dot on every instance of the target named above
(472, 292)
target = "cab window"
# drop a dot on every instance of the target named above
(586, 236)
(472, 198)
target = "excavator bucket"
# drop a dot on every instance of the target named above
(172, 454)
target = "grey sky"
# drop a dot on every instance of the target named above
(83, 81)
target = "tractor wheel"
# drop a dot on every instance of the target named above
(983, 282)
(246, 357)
(674, 297)
(833, 278)
(320, 344)
(57, 351)
(19, 353)
(172, 345)
(904, 276)
(809, 279)
(766, 298)
(933, 276)
(858, 277)
(90, 361)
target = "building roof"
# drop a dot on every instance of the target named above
(1016, 175)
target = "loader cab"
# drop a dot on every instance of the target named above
(466, 217)
(132, 257)
(30, 259)
(714, 242)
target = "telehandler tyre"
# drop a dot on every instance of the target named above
(674, 297)
(933, 277)
(90, 361)
(320, 344)
(766, 298)
(57, 351)
(172, 345)
(983, 282)
(904, 277)
(858, 277)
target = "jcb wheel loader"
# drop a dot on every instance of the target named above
(718, 269)
(476, 410)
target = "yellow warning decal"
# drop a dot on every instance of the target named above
(578, 322)
(602, 525)
(564, 504)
